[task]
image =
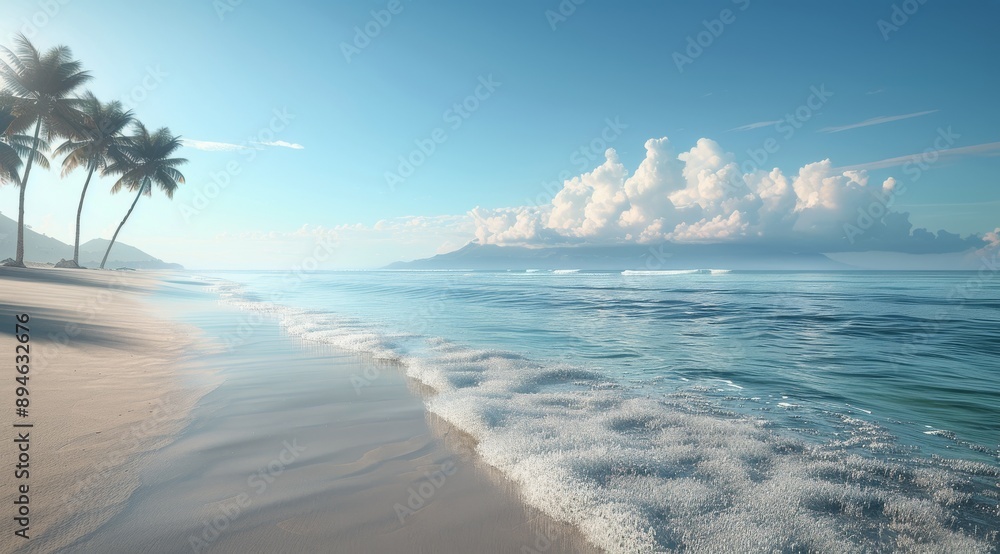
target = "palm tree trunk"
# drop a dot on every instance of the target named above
(120, 225)
(24, 185)
(79, 212)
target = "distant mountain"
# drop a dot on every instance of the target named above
(43, 249)
(665, 256)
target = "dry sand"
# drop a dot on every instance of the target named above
(168, 442)
(105, 390)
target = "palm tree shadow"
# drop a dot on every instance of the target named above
(52, 330)
(76, 278)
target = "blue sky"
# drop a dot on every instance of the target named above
(558, 73)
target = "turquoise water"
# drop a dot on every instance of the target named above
(701, 410)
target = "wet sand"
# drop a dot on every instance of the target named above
(285, 447)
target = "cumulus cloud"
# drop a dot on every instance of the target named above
(648, 189)
(993, 238)
(510, 225)
(702, 195)
(711, 230)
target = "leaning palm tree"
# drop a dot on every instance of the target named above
(142, 160)
(101, 130)
(41, 84)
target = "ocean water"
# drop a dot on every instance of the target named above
(696, 411)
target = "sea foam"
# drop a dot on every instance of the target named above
(674, 473)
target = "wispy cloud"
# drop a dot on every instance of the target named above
(757, 125)
(985, 149)
(209, 146)
(876, 91)
(283, 144)
(874, 121)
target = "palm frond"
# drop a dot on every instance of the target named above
(173, 174)
(10, 164)
(75, 158)
(166, 181)
(13, 61)
(68, 147)
(42, 85)
(26, 50)
(23, 151)
(6, 112)
(142, 160)
(97, 137)
(28, 142)
(41, 161)
(22, 122)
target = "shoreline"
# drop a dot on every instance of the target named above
(284, 454)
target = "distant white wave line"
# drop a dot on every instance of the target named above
(650, 475)
(424, 270)
(676, 271)
(565, 271)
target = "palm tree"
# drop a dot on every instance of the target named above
(101, 132)
(41, 84)
(142, 160)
